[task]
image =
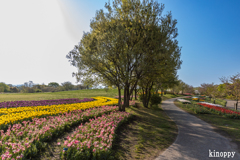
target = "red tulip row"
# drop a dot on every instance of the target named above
(223, 111)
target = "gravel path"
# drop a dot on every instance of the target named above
(196, 139)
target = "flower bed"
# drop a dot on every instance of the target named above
(14, 115)
(26, 139)
(9, 104)
(93, 140)
(222, 111)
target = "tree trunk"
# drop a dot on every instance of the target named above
(126, 97)
(237, 104)
(147, 95)
(135, 93)
(144, 101)
(161, 92)
(119, 99)
(131, 96)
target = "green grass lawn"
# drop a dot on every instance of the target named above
(87, 93)
(150, 133)
(227, 127)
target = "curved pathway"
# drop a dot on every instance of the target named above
(195, 138)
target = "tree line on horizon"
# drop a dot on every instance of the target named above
(30, 87)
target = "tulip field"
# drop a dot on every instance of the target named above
(27, 129)
(222, 111)
(17, 114)
(9, 104)
(94, 139)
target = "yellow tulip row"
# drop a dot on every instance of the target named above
(12, 115)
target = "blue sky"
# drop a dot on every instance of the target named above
(209, 35)
(35, 40)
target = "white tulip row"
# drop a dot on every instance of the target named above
(217, 105)
(183, 101)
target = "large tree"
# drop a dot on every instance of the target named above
(126, 44)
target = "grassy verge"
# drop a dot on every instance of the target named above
(150, 133)
(87, 93)
(227, 127)
(169, 96)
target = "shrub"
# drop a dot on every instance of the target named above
(38, 90)
(155, 99)
(156, 107)
(201, 110)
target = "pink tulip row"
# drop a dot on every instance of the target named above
(26, 139)
(93, 140)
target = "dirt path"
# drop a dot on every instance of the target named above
(196, 139)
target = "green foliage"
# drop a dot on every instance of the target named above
(232, 86)
(217, 101)
(155, 99)
(132, 42)
(155, 107)
(67, 86)
(14, 89)
(201, 110)
(4, 87)
(53, 84)
(140, 97)
(38, 90)
(195, 108)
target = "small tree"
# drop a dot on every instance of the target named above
(222, 91)
(189, 89)
(14, 89)
(211, 90)
(67, 86)
(53, 84)
(182, 86)
(232, 86)
(4, 87)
